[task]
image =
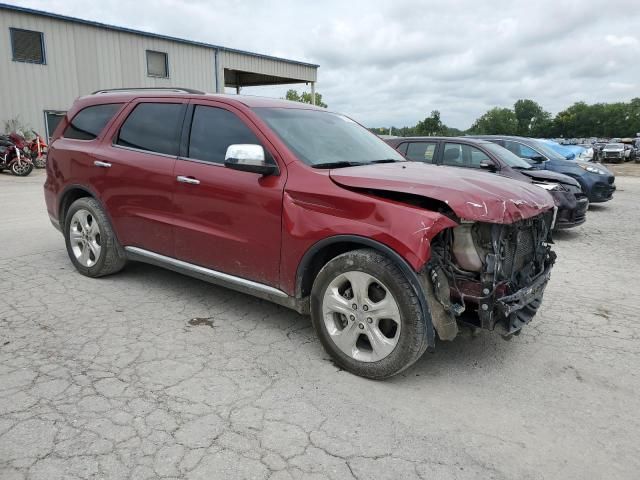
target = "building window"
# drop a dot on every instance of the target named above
(157, 64)
(27, 46)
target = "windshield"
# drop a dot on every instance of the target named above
(614, 146)
(324, 138)
(506, 156)
(545, 150)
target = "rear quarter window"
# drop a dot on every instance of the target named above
(90, 121)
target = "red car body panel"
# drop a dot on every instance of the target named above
(260, 228)
(471, 195)
(316, 209)
(231, 221)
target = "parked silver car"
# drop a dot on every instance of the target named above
(614, 152)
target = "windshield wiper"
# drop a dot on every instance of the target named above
(386, 160)
(340, 164)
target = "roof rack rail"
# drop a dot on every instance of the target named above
(171, 89)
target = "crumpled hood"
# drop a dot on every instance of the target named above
(471, 195)
(549, 176)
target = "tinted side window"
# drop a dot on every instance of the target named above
(421, 152)
(213, 130)
(520, 150)
(153, 127)
(476, 156)
(453, 155)
(89, 122)
(460, 155)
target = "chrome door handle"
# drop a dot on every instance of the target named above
(189, 180)
(98, 163)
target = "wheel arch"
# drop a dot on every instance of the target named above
(72, 193)
(328, 248)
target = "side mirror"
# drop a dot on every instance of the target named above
(248, 158)
(537, 159)
(488, 165)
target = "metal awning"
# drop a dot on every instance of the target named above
(238, 78)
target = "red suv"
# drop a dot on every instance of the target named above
(302, 207)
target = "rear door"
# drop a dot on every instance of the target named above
(423, 151)
(133, 172)
(229, 221)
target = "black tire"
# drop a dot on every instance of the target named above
(21, 170)
(112, 257)
(40, 162)
(412, 338)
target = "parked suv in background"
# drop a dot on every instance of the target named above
(614, 153)
(302, 207)
(465, 152)
(595, 179)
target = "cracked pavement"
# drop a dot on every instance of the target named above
(150, 374)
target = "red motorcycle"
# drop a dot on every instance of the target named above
(38, 150)
(14, 155)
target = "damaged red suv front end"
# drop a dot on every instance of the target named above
(490, 270)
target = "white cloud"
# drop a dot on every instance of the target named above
(617, 41)
(391, 63)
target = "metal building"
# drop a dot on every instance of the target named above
(48, 60)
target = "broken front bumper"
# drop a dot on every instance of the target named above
(509, 313)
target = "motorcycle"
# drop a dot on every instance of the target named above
(12, 155)
(38, 150)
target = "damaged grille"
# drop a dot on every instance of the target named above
(518, 253)
(497, 271)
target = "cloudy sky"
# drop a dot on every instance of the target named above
(392, 62)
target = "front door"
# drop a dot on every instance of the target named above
(227, 220)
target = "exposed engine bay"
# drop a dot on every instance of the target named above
(490, 275)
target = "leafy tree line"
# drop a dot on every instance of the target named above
(304, 97)
(430, 126)
(528, 118)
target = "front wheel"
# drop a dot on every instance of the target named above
(367, 315)
(21, 169)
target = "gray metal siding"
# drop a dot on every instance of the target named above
(81, 59)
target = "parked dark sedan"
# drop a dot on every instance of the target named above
(465, 152)
(595, 179)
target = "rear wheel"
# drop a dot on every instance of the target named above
(40, 161)
(367, 315)
(91, 243)
(21, 169)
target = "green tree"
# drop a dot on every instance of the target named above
(497, 121)
(432, 125)
(304, 97)
(530, 116)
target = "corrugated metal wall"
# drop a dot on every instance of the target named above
(82, 58)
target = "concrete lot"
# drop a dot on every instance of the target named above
(113, 378)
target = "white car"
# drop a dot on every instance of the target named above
(614, 152)
(587, 155)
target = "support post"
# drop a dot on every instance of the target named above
(313, 93)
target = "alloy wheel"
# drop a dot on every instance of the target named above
(361, 316)
(84, 235)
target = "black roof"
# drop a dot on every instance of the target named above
(469, 140)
